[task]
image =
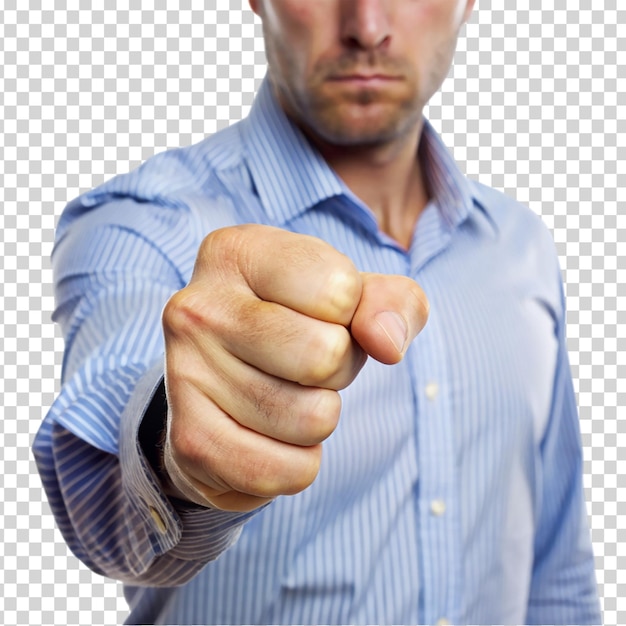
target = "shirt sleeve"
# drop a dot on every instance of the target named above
(563, 587)
(112, 279)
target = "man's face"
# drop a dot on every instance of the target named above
(359, 72)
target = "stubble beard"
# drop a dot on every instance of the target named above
(364, 117)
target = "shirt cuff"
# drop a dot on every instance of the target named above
(184, 529)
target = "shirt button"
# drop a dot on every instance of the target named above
(438, 507)
(431, 390)
(443, 622)
(158, 520)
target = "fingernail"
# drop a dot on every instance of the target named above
(395, 328)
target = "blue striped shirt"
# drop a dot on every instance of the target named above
(451, 489)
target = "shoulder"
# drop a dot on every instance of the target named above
(514, 222)
(524, 246)
(164, 187)
(178, 171)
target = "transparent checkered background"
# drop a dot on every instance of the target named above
(535, 105)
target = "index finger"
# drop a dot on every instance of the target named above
(298, 271)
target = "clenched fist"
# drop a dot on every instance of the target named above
(270, 327)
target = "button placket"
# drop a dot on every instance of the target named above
(437, 468)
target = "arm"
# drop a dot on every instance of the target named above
(111, 285)
(563, 588)
(245, 418)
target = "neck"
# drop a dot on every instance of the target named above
(387, 178)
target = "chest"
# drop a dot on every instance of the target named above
(477, 382)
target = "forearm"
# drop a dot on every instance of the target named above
(136, 536)
(108, 502)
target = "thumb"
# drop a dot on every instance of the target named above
(392, 311)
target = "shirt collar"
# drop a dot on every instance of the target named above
(291, 177)
(449, 188)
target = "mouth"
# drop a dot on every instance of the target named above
(361, 79)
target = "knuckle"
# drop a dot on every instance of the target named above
(190, 311)
(223, 251)
(300, 474)
(181, 311)
(219, 255)
(343, 290)
(327, 354)
(220, 239)
(321, 415)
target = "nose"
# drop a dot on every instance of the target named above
(366, 24)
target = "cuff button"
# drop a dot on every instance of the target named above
(158, 520)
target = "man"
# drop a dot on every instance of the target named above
(283, 252)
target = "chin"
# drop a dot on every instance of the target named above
(364, 128)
